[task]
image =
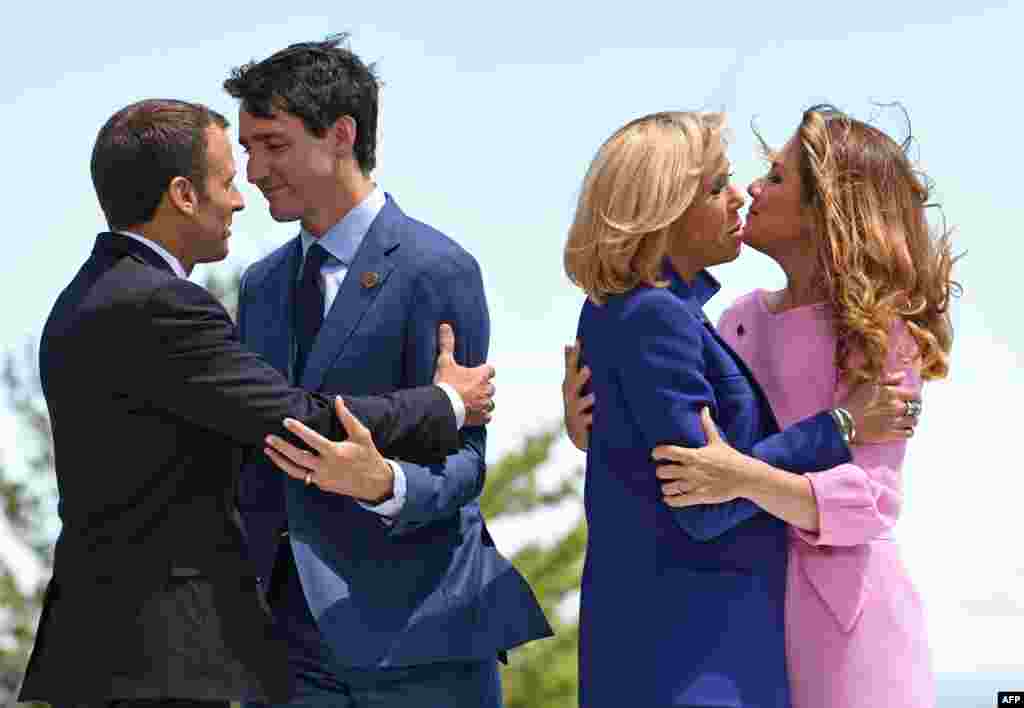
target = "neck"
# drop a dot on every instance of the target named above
(345, 197)
(802, 285)
(686, 270)
(168, 240)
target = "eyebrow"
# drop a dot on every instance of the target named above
(258, 137)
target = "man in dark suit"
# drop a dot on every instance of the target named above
(152, 399)
(402, 601)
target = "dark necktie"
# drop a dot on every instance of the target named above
(309, 306)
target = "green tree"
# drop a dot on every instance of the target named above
(541, 674)
(24, 520)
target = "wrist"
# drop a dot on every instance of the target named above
(380, 486)
(755, 480)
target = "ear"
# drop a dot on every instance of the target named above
(181, 195)
(344, 133)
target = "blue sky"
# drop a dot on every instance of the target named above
(490, 115)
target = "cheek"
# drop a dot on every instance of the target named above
(313, 164)
(716, 219)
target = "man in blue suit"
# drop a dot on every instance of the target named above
(399, 599)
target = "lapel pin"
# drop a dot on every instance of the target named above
(369, 279)
(740, 330)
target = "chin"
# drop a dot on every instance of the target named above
(754, 245)
(282, 216)
(729, 258)
(217, 256)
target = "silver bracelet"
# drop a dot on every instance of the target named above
(840, 426)
(847, 427)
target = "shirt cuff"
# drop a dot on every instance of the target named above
(393, 506)
(458, 406)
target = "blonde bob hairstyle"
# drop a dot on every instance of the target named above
(640, 182)
(878, 260)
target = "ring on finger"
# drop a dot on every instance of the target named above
(913, 408)
(309, 478)
(491, 405)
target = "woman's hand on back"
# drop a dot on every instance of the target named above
(880, 410)
(578, 408)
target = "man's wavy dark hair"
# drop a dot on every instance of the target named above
(318, 82)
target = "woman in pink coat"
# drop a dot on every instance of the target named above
(842, 212)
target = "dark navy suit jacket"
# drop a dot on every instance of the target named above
(431, 586)
(681, 607)
(151, 399)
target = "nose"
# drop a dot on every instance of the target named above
(736, 198)
(254, 170)
(237, 202)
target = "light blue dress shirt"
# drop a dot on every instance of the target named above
(341, 242)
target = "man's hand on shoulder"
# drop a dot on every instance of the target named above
(474, 385)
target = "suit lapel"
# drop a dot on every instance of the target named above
(276, 291)
(686, 294)
(365, 279)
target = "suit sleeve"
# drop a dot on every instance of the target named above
(197, 369)
(662, 373)
(451, 293)
(810, 445)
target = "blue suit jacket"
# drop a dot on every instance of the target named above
(686, 603)
(431, 586)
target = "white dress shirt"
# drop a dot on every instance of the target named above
(163, 252)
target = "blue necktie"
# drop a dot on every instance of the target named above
(309, 306)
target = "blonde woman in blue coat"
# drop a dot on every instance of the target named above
(680, 606)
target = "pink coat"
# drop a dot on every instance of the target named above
(855, 626)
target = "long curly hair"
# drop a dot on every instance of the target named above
(878, 258)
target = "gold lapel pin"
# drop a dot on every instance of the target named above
(369, 279)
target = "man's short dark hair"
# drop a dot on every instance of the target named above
(318, 82)
(141, 149)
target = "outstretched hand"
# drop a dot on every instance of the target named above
(712, 474)
(353, 467)
(473, 384)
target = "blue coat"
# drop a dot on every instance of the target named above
(431, 586)
(681, 607)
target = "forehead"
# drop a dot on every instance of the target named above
(218, 150)
(788, 155)
(253, 128)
